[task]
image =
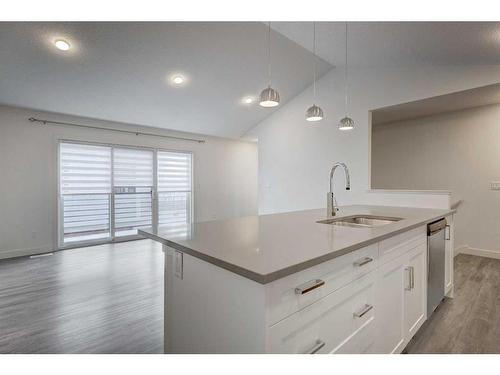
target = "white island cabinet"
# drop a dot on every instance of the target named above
(401, 290)
(358, 299)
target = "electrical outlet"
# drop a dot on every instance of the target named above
(495, 185)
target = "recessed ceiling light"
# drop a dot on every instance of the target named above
(62, 45)
(177, 79)
(247, 100)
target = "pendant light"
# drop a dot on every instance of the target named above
(314, 113)
(346, 123)
(269, 97)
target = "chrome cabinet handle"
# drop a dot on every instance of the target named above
(317, 346)
(363, 261)
(310, 285)
(408, 286)
(447, 232)
(412, 277)
(363, 311)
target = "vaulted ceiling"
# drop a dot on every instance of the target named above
(394, 44)
(120, 71)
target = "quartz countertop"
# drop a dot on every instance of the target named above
(265, 248)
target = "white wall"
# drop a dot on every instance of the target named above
(295, 156)
(458, 151)
(439, 199)
(225, 175)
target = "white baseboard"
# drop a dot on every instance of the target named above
(5, 254)
(460, 250)
(478, 252)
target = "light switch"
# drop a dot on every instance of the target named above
(495, 185)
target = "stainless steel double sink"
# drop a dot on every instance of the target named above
(361, 221)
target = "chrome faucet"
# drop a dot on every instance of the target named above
(331, 202)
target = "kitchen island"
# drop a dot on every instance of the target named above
(286, 283)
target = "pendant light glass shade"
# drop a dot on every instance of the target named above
(346, 123)
(314, 113)
(269, 97)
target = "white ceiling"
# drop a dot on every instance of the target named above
(400, 43)
(119, 72)
(476, 97)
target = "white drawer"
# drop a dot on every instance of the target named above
(283, 300)
(395, 246)
(332, 324)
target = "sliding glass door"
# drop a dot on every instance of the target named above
(133, 184)
(108, 192)
(85, 193)
(174, 192)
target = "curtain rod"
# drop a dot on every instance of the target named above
(45, 122)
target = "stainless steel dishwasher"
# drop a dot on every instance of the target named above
(435, 264)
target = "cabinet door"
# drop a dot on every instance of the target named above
(415, 286)
(390, 302)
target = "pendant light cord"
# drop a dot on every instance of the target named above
(345, 72)
(314, 61)
(269, 53)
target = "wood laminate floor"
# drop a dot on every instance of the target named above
(99, 299)
(470, 322)
(109, 299)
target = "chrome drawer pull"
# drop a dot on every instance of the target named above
(363, 261)
(310, 285)
(319, 344)
(363, 311)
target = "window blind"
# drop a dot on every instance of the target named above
(107, 191)
(85, 169)
(132, 167)
(174, 171)
(132, 170)
(174, 192)
(85, 187)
